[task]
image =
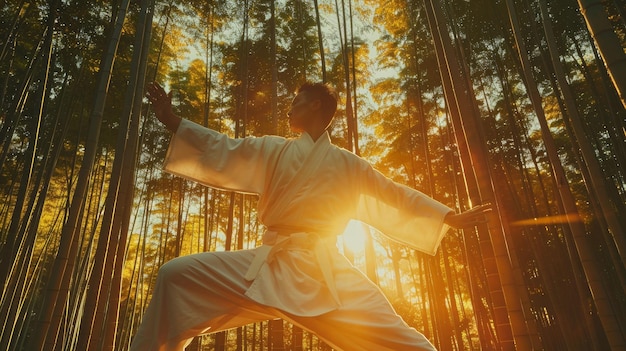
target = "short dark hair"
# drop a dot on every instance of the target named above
(327, 96)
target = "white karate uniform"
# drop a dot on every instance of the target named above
(308, 191)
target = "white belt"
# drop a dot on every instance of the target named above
(273, 242)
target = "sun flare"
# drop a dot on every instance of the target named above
(354, 236)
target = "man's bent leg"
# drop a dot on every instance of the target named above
(194, 294)
(365, 320)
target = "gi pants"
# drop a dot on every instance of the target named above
(206, 293)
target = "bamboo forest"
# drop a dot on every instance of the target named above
(520, 104)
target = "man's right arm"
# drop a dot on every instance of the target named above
(162, 106)
(171, 122)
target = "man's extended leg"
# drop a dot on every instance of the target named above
(365, 321)
(194, 294)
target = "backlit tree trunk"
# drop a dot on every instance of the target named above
(13, 250)
(67, 248)
(511, 323)
(100, 298)
(594, 179)
(583, 247)
(607, 42)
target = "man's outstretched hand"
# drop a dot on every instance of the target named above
(469, 218)
(162, 106)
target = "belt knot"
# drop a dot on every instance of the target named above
(273, 242)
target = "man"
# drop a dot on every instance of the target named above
(308, 191)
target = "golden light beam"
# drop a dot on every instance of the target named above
(558, 219)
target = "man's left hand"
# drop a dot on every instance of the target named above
(469, 218)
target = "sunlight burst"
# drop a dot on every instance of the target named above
(354, 236)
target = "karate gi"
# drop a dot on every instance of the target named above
(308, 191)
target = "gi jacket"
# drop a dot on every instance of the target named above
(305, 186)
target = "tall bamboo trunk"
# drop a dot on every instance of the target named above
(354, 103)
(14, 293)
(608, 43)
(122, 216)
(68, 244)
(585, 253)
(320, 39)
(7, 56)
(440, 308)
(10, 38)
(297, 335)
(16, 237)
(118, 202)
(528, 209)
(606, 106)
(274, 69)
(594, 178)
(14, 114)
(511, 323)
(8, 250)
(276, 335)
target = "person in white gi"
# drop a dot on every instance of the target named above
(308, 191)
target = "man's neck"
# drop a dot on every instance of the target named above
(316, 134)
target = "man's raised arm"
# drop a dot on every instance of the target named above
(162, 106)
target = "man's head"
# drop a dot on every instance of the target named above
(313, 108)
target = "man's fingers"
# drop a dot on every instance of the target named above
(481, 208)
(480, 213)
(155, 90)
(155, 93)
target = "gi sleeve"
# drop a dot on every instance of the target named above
(210, 158)
(404, 214)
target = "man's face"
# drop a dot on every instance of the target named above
(300, 114)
